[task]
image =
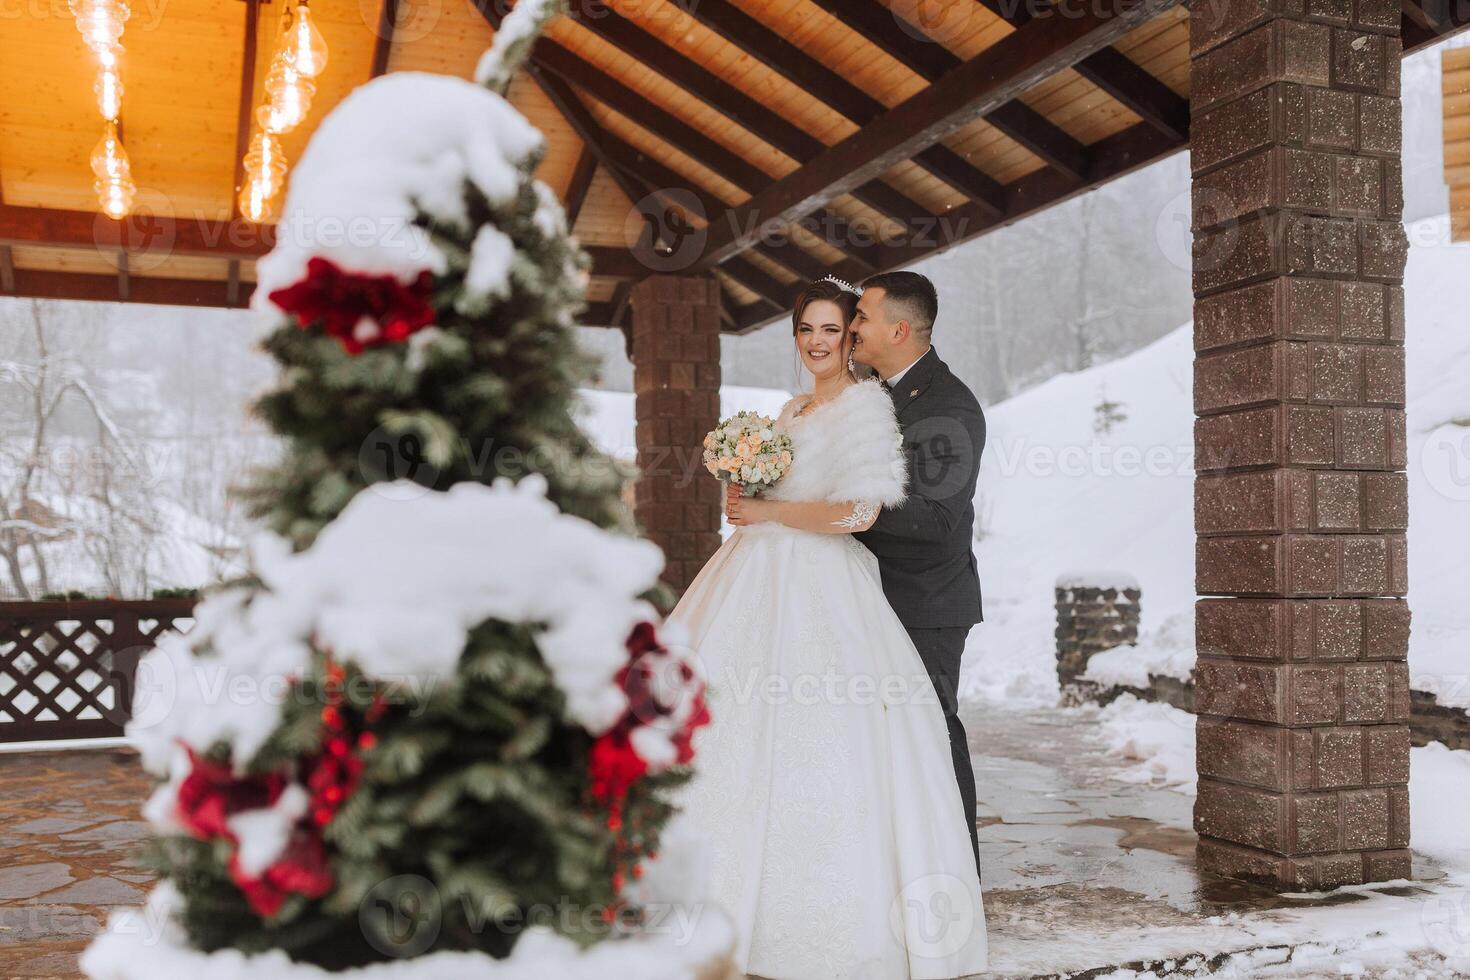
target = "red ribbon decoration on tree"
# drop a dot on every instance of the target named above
(341, 301)
(213, 792)
(613, 765)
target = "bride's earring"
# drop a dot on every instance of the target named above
(851, 367)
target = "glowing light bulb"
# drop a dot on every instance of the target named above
(116, 198)
(265, 159)
(114, 185)
(255, 203)
(303, 45)
(100, 22)
(290, 95)
(109, 91)
(109, 159)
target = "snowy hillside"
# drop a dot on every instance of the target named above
(1055, 496)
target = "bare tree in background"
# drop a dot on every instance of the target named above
(72, 480)
(23, 526)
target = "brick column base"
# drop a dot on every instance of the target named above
(676, 381)
(1301, 500)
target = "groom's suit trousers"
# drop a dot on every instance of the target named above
(941, 649)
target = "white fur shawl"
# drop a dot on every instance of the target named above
(848, 449)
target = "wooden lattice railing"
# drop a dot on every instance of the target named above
(67, 669)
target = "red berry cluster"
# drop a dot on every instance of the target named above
(333, 775)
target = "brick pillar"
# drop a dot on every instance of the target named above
(676, 381)
(1300, 497)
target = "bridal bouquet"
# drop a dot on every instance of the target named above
(746, 449)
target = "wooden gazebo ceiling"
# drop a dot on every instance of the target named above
(799, 137)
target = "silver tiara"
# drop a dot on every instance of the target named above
(843, 284)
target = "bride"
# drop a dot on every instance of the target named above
(838, 842)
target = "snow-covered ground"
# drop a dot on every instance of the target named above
(1382, 933)
(1056, 495)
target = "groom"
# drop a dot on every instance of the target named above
(925, 546)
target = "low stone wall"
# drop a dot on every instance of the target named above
(1430, 721)
(1099, 611)
(1095, 612)
(1161, 688)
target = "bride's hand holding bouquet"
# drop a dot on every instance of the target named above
(748, 454)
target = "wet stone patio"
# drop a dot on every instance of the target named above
(1084, 873)
(69, 831)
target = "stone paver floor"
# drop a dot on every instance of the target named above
(69, 831)
(1083, 872)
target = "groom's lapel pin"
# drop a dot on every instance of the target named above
(914, 393)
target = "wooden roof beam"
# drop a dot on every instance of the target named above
(7, 260)
(642, 167)
(383, 46)
(760, 282)
(244, 120)
(621, 298)
(730, 101)
(931, 61)
(1116, 155)
(619, 159)
(982, 84)
(639, 175)
(581, 182)
(141, 289)
(1120, 77)
(598, 314)
(236, 241)
(1436, 21)
(687, 139)
(837, 91)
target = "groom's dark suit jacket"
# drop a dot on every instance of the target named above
(925, 547)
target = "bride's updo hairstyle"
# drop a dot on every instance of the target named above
(831, 292)
(824, 289)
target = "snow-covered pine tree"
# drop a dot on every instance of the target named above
(440, 346)
(438, 720)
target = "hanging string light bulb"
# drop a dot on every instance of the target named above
(290, 95)
(109, 91)
(101, 23)
(265, 176)
(305, 49)
(300, 56)
(114, 184)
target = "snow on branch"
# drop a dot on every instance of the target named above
(512, 44)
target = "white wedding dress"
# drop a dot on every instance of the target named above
(837, 838)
